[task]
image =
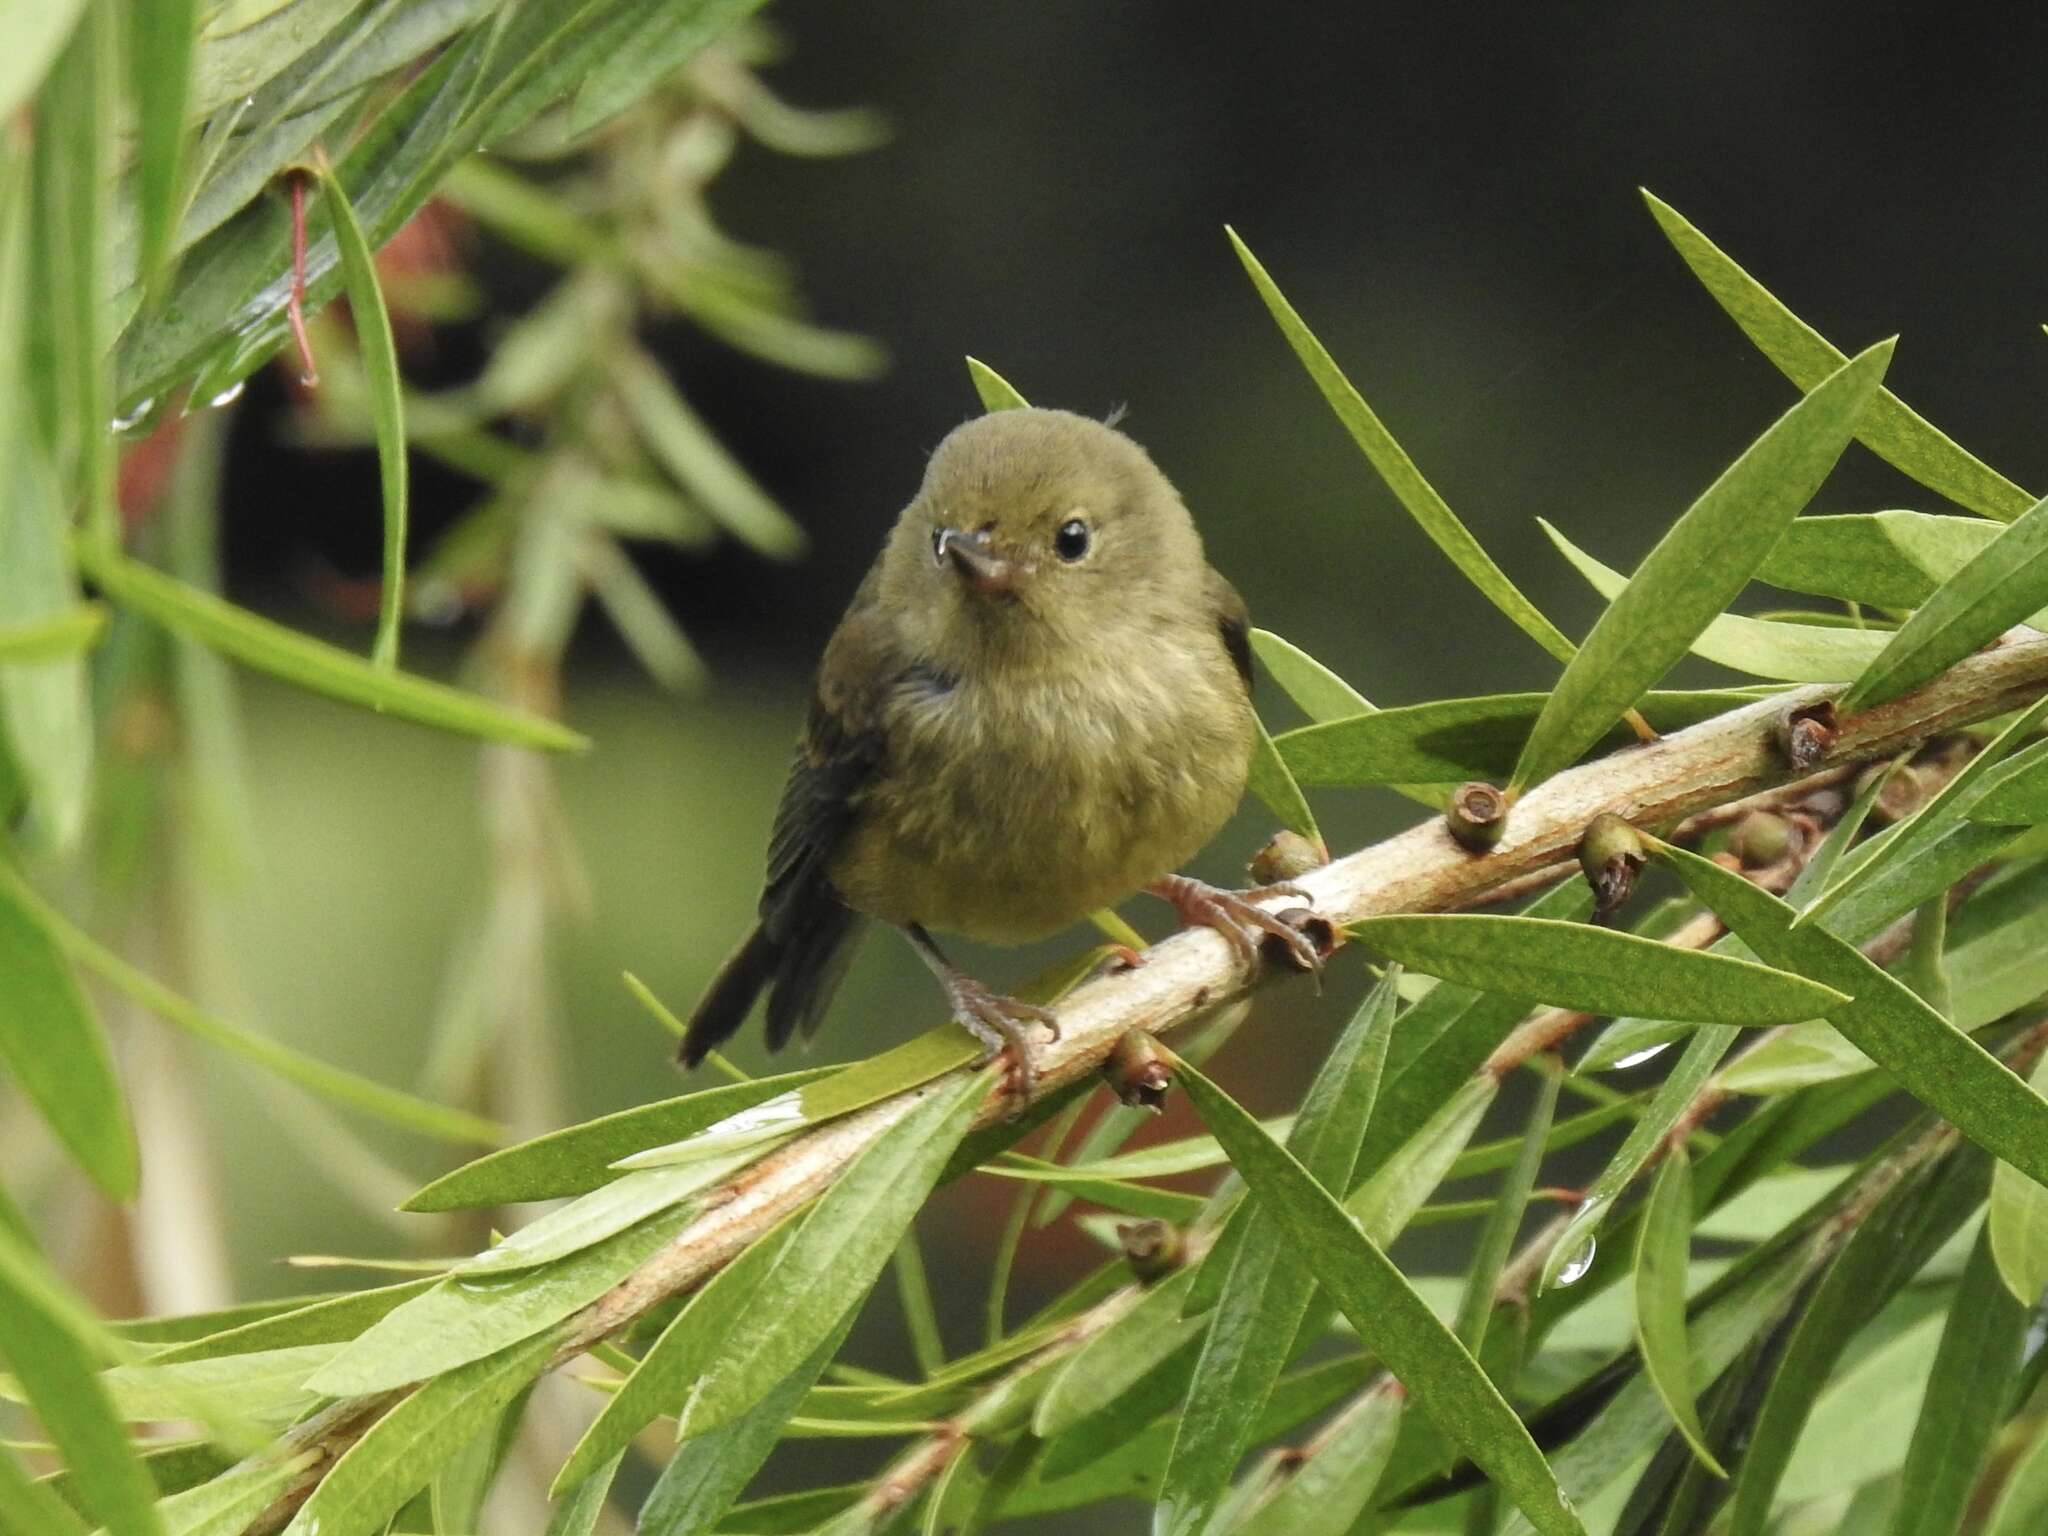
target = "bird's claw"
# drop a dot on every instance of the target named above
(999, 1023)
(1298, 933)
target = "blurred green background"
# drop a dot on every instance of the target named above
(1449, 198)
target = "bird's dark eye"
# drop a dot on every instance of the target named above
(1071, 542)
(938, 544)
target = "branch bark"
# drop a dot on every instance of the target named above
(1656, 786)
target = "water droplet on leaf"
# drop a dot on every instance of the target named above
(130, 420)
(1573, 1270)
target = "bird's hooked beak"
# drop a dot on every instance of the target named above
(975, 559)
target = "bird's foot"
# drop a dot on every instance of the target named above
(1298, 934)
(1000, 1023)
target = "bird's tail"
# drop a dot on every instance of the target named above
(800, 971)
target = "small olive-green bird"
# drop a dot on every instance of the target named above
(1038, 703)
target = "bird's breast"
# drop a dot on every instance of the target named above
(1009, 809)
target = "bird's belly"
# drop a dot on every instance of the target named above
(1011, 824)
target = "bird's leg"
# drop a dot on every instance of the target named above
(1236, 915)
(995, 1020)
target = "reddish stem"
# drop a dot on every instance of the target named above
(309, 372)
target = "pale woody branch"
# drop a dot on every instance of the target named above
(1655, 786)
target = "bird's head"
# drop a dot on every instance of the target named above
(1038, 527)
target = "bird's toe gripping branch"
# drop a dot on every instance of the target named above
(1299, 933)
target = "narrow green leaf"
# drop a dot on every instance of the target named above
(35, 34)
(160, 34)
(642, 619)
(244, 43)
(46, 1351)
(604, 1212)
(1725, 1322)
(579, 1159)
(31, 1506)
(1268, 1290)
(44, 711)
(1998, 950)
(64, 633)
(57, 1054)
(1904, 865)
(919, 1060)
(181, 1328)
(229, 1504)
(2022, 1505)
(1597, 970)
(1575, 1245)
(315, 1076)
(1663, 1250)
(1926, 966)
(1937, 547)
(577, 1512)
(1390, 1318)
(2007, 581)
(1892, 430)
(1879, 1258)
(1386, 1202)
(1443, 1040)
(1394, 466)
(311, 1320)
(1510, 1204)
(655, 41)
(1855, 558)
(267, 1386)
(1968, 1393)
(313, 664)
(728, 1361)
(72, 155)
(920, 1313)
(1324, 696)
(1267, 777)
(708, 1471)
(2017, 800)
(667, 1369)
(2017, 1228)
(996, 392)
(401, 1451)
(463, 1319)
(1791, 653)
(1132, 1469)
(1943, 1068)
(1495, 1156)
(1161, 1160)
(1111, 1194)
(1698, 567)
(387, 403)
(1321, 693)
(1458, 739)
(1799, 1057)
(1325, 1494)
(700, 464)
(1098, 1378)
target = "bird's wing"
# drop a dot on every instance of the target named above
(1233, 623)
(843, 752)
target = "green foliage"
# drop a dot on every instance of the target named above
(1731, 1332)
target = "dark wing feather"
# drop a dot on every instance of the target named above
(1234, 623)
(800, 946)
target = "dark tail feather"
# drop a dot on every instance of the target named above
(730, 997)
(812, 967)
(801, 972)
